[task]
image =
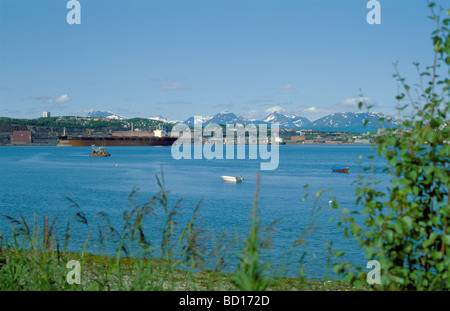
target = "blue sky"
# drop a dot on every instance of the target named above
(179, 58)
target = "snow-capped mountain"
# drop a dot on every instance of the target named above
(280, 119)
(160, 118)
(225, 117)
(350, 121)
(285, 121)
(190, 121)
(165, 120)
(300, 121)
(105, 114)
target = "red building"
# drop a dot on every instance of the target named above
(21, 137)
(298, 138)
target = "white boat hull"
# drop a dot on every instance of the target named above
(232, 179)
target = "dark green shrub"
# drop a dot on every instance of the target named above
(406, 227)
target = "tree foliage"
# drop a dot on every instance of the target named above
(406, 227)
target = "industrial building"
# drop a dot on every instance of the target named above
(21, 137)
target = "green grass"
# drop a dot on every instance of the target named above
(22, 270)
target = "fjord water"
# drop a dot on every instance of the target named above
(39, 180)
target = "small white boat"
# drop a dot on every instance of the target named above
(279, 140)
(233, 179)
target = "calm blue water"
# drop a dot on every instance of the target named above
(37, 180)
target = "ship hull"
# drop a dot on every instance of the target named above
(115, 141)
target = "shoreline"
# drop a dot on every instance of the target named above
(287, 144)
(167, 277)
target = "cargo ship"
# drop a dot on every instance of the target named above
(118, 139)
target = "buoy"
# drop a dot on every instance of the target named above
(330, 202)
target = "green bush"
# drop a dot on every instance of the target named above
(406, 227)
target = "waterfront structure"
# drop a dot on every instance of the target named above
(21, 137)
(298, 138)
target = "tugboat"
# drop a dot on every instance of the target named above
(99, 152)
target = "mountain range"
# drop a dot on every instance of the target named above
(285, 121)
(341, 121)
(352, 122)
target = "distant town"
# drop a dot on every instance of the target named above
(47, 130)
